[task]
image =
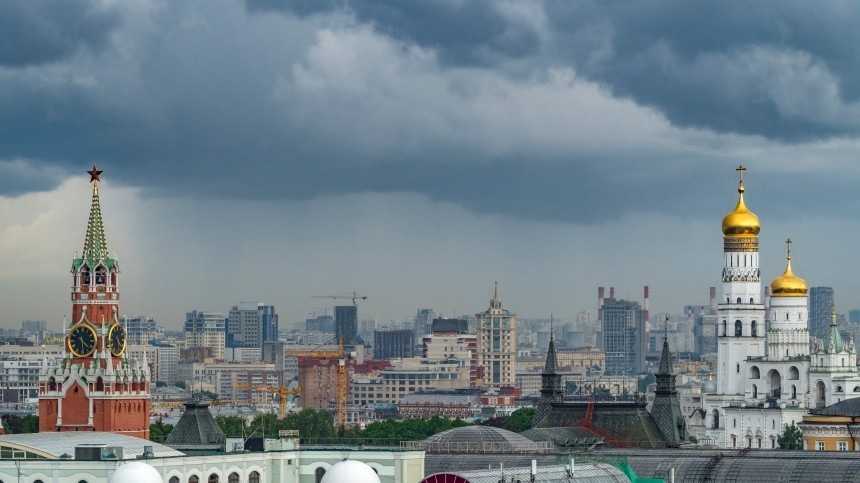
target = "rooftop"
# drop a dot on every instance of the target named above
(54, 446)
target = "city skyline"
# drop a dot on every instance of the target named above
(372, 152)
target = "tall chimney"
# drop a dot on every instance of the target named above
(600, 293)
(713, 309)
(647, 314)
(612, 292)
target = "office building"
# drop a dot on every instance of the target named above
(320, 323)
(206, 329)
(140, 329)
(423, 322)
(820, 307)
(346, 325)
(624, 341)
(854, 316)
(497, 345)
(393, 344)
(250, 324)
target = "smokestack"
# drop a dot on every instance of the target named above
(612, 292)
(600, 293)
(652, 345)
(647, 313)
(713, 309)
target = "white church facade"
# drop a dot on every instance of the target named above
(769, 371)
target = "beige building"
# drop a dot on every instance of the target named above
(206, 329)
(497, 345)
(407, 376)
(230, 380)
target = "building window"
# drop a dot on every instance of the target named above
(842, 446)
(738, 328)
(754, 327)
(193, 479)
(734, 441)
(254, 477)
(213, 478)
(819, 445)
(174, 479)
(734, 423)
(318, 474)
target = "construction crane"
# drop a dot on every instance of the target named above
(341, 357)
(283, 392)
(354, 296)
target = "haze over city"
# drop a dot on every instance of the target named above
(416, 153)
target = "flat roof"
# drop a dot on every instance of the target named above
(54, 445)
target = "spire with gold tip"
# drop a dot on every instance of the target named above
(741, 222)
(788, 284)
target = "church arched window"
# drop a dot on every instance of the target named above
(739, 330)
(739, 300)
(85, 275)
(233, 478)
(193, 479)
(752, 300)
(724, 329)
(754, 328)
(318, 474)
(755, 391)
(793, 391)
(174, 479)
(254, 477)
(213, 478)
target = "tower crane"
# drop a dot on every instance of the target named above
(341, 358)
(283, 392)
(354, 296)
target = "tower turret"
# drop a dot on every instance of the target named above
(95, 388)
(788, 334)
(740, 322)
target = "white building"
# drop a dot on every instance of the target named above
(91, 457)
(766, 371)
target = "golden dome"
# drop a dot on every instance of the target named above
(788, 284)
(741, 222)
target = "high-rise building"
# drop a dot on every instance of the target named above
(141, 329)
(451, 342)
(854, 316)
(346, 325)
(33, 326)
(393, 344)
(206, 329)
(423, 321)
(623, 334)
(820, 306)
(250, 324)
(497, 344)
(320, 323)
(96, 387)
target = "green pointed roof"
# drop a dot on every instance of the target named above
(665, 359)
(95, 241)
(834, 337)
(551, 359)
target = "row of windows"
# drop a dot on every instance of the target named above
(253, 477)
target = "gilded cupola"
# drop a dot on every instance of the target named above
(788, 284)
(741, 222)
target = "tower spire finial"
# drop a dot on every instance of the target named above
(551, 332)
(95, 243)
(740, 169)
(495, 289)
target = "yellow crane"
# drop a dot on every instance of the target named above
(283, 392)
(341, 375)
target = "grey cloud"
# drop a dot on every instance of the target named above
(35, 32)
(464, 33)
(728, 66)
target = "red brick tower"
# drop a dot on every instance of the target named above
(96, 388)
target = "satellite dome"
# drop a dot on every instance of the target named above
(135, 472)
(350, 471)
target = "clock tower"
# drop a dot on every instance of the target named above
(95, 387)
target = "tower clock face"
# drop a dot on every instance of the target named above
(116, 340)
(82, 341)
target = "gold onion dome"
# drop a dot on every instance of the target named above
(788, 284)
(741, 222)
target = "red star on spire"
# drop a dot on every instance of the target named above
(94, 174)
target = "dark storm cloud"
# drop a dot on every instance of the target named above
(35, 32)
(784, 70)
(210, 102)
(464, 33)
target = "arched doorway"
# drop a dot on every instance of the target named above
(819, 395)
(716, 419)
(775, 383)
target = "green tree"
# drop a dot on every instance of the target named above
(159, 430)
(232, 425)
(30, 424)
(392, 432)
(791, 438)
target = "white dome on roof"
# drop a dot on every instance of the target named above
(350, 471)
(135, 472)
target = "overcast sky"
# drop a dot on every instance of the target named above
(416, 152)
